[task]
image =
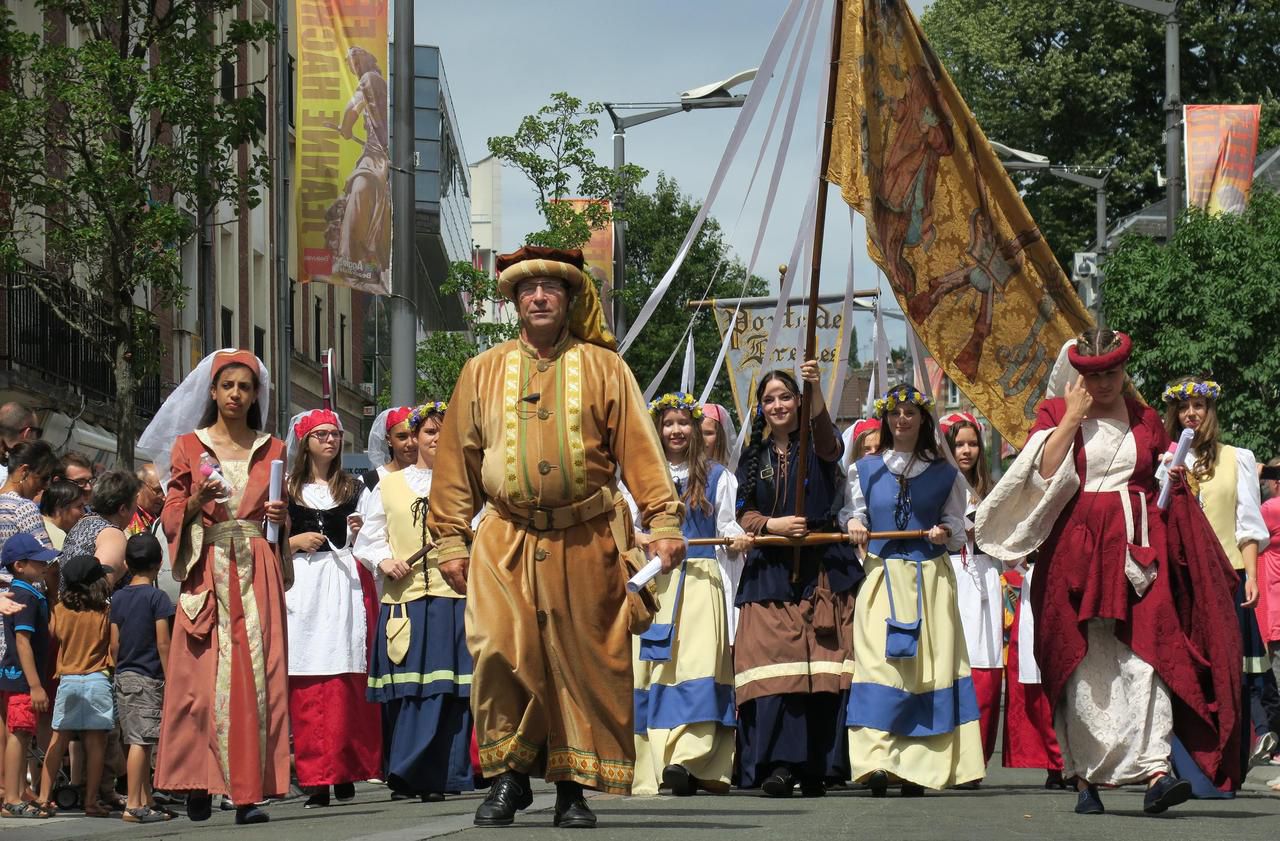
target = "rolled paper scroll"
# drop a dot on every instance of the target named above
(275, 494)
(1179, 460)
(647, 573)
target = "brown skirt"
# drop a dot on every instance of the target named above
(784, 648)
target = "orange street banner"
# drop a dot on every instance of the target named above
(963, 256)
(342, 166)
(1221, 143)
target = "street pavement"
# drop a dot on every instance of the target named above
(1011, 804)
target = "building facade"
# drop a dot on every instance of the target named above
(45, 364)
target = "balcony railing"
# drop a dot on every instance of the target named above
(37, 339)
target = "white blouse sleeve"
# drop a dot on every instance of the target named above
(854, 504)
(953, 513)
(726, 503)
(372, 546)
(1249, 524)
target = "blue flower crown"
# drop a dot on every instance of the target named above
(1185, 391)
(906, 394)
(676, 400)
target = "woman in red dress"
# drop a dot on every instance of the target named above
(225, 726)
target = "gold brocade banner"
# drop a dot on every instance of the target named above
(342, 189)
(964, 257)
(1222, 142)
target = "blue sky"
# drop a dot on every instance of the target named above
(504, 58)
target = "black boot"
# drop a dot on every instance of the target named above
(319, 798)
(344, 792)
(199, 806)
(509, 794)
(572, 811)
(1165, 792)
(781, 783)
(250, 814)
(678, 779)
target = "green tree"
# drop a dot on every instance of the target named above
(656, 225)
(1082, 82)
(1208, 304)
(553, 150)
(109, 146)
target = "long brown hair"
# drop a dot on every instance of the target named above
(695, 495)
(979, 476)
(1205, 444)
(719, 451)
(342, 485)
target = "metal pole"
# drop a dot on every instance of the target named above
(1172, 118)
(619, 232)
(284, 320)
(1100, 247)
(404, 329)
(206, 283)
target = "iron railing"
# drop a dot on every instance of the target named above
(38, 339)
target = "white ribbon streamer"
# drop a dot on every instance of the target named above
(745, 116)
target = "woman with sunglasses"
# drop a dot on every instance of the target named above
(337, 736)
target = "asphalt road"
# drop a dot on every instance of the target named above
(1010, 805)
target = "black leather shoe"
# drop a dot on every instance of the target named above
(577, 815)
(781, 783)
(878, 783)
(343, 792)
(250, 814)
(199, 806)
(431, 797)
(1088, 802)
(679, 780)
(813, 788)
(508, 795)
(912, 790)
(1166, 792)
(318, 800)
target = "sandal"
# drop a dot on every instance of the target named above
(143, 815)
(50, 808)
(23, 810)
(97, 811)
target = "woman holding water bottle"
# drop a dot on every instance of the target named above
(225, 724)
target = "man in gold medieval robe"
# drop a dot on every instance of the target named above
(539, 428)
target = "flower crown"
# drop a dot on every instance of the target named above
(886, 404)
(676, 400)
(1187, 390)
(420, 414)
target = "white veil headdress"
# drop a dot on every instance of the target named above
(185, 405)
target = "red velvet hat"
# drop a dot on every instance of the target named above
(312, 419)
(863, 426)
(1103, 362)
(956, 417)
(398, 416)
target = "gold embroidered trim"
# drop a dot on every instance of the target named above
(509, 753)
(511, 424)
(608, 775)
(573, 417)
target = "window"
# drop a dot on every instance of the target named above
(953, 393)
(227, 81)
(260, 343)
(342, 346)
(293, 312)
(315, 332)
(291, 92)
(228, 337)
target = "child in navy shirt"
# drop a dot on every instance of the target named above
(140, 617)
(23, 671)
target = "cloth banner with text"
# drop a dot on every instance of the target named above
(342, 166)
(1221, 143)
(964, 258)
(751, 327)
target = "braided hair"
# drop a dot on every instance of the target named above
(756, 445)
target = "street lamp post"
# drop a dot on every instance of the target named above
(714, 95)
(1168, 9)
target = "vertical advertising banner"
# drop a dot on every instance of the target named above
(342, 165)
(751, 327)
(1222, 142)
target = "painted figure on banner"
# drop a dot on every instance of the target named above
(362, 214)
(978, 282)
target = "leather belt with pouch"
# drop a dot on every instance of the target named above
(642, 606)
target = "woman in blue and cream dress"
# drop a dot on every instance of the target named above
(913, 713)
(685, 723)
